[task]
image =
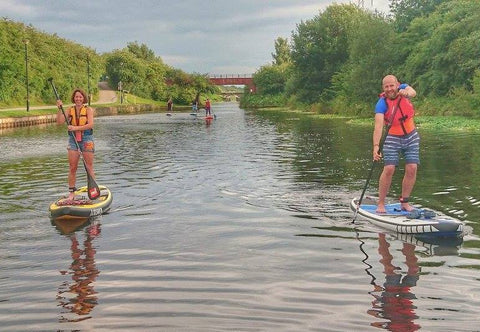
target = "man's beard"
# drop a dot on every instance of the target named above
(392, 95)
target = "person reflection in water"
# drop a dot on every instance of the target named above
(395, 303)
(81, 298)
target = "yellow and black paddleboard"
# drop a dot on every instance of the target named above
(81, 207)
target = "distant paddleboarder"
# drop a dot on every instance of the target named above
(208, 107)
(170, 105)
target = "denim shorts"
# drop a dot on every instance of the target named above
(408, 145)
(86, 144)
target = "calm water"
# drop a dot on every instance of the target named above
(240, 225)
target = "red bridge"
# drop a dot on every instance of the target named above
(233, 79)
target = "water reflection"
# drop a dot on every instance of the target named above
(201, 236)
(433, 244)
(78, 296)
(208, 122)
(394, 300)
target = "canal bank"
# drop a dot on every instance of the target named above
(25, 121)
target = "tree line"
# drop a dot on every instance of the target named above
(334, 62)
(71, 65)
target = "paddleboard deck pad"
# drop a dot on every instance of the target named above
(420, 221)
(81, 207)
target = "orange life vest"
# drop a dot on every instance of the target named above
(402, 123)
(80, 120)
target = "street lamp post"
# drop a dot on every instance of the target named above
(120, 89)
(25, 41)
(88, 80)
(120, 86)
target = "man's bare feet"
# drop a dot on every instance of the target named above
(407, 207)
(404, 204)
(380, 208)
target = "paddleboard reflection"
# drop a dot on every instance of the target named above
(76, 294)
(394, 300)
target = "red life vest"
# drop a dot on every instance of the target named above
(402, 123)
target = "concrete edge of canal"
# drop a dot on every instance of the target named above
(98, 111)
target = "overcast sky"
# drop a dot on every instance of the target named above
(208, 36)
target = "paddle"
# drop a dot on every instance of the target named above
(93, 189)
(380, 148)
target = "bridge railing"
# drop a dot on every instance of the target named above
(230, 75)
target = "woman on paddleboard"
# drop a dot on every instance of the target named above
(80, 122)
(395, 110)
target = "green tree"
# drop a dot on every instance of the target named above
(449, 51)
(48, 56)
(69, 64)
(271, 79)
(407, 10)
(155, 80)
(319, 50)
(12, 67)
(123, 66)
(142, 52)
(373, 53)
(282, 52)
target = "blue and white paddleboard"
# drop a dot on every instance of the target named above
(421, 222)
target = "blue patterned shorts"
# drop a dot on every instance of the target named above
(408, 145)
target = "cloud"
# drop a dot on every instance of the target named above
(14, 8)
(192, 35)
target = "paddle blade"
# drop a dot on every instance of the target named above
(92, 188)
(355, 213)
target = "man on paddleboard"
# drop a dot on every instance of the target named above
(395, 110)
(208, 106)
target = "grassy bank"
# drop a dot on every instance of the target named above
(130, 100)
(440, 123)
(24, 113)
(429, 122)
(45, 110)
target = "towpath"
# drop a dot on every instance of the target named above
(105, 96)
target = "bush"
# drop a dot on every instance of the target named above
(259, 101)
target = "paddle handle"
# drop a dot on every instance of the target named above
(58, 98)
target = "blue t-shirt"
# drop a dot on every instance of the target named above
(381, 106)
